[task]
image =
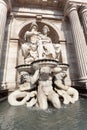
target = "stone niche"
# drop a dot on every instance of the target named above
(55, 34)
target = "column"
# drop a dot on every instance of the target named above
(83, 13)
(5, 6)
(3, 17)
(79, 41)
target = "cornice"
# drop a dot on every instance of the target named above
(78, 2)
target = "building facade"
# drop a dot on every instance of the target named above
(67, 20)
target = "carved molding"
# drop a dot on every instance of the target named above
(83, 9)
(24, 26)
(69, 7)
(78, 2)
(73, 5)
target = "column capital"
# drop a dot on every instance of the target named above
(69, 7)
(73, 4)
(83, 9)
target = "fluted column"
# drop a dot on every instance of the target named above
(83, 13)
(79, 41)
(3, 17)
(5, 7)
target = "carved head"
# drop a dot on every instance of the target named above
(45, 29)
(33, 47)
(34, 26)
(24, 77)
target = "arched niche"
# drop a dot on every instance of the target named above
(53, 34)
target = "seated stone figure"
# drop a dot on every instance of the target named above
(48, 48)
(30, 47)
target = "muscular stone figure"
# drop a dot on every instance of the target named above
(25, 83)
(59, 80)
(69, 94)
(45, 89)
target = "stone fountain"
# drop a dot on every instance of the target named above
(43, 77)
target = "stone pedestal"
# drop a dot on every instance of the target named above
(78, 41)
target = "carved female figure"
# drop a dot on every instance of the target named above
(30, 47)
(48, 48)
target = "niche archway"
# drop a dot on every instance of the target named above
(53, 34)
(53, 30)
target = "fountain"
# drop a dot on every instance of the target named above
(43, 77)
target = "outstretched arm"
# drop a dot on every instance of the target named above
(35, 77)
